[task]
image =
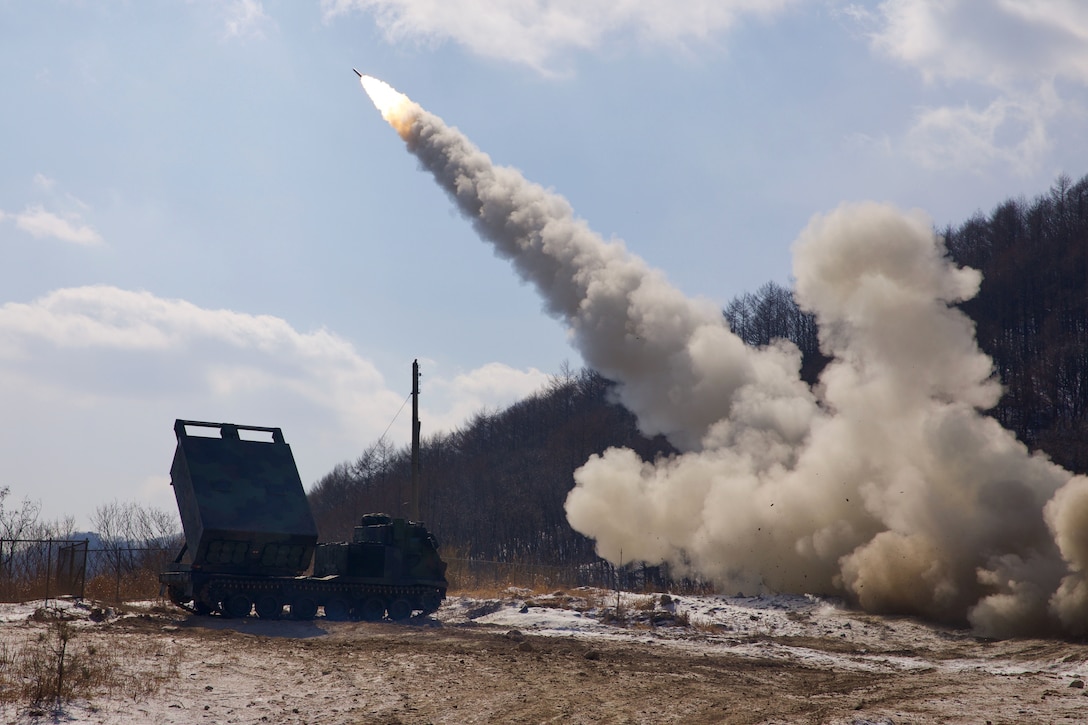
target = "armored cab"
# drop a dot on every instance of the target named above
(242, 504)
(394, 551)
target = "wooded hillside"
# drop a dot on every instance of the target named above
(1032, 313)
(495, 488)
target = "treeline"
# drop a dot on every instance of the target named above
(495, 488)
(1032, 313)
(122, 559)
(771, 313)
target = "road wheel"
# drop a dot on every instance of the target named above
(400, 610)
(237, 606)
(431, 601)
(372, 609)
(218, 601)
(177, 596)
(269, 606)
(303, 607)
(337, 609)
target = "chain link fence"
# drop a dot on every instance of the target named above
(45, 568)
(478, 574)
(469, 575)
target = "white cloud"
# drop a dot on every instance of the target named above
(39, 223)
(1011, 132)
(999, 42)
(78, 337)
(76, 340)
(537, 33)
(245, 18)
(240, 18)
(67, 225)
(1017, 49)
(43, 182)
(88, 374)
(489, 387)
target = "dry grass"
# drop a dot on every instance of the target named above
(578, 599)
(474, 578)
(59, 663)
(137, 585)
(469, 575)
(491, 591)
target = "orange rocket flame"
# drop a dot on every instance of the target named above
(397, 109)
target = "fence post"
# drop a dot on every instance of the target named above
(48, 569)
(83, 577)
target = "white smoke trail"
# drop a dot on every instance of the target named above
(885, 483)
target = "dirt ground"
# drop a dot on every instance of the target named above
(456, 669)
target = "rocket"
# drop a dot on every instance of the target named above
(358, 73)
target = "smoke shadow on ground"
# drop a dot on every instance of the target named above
(289, 628)
(284, 628)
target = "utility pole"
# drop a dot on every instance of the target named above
(413, 498)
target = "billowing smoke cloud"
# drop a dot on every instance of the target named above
(884, 483)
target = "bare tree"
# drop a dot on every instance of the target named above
(17, 522)
(133, 536)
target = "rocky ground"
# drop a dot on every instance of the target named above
(570, 657)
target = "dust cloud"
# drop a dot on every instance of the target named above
(884, 483)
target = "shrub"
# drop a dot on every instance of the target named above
(53, 667)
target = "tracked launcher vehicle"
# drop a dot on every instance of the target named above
(250, 537)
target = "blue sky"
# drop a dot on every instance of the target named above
(203, 216)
